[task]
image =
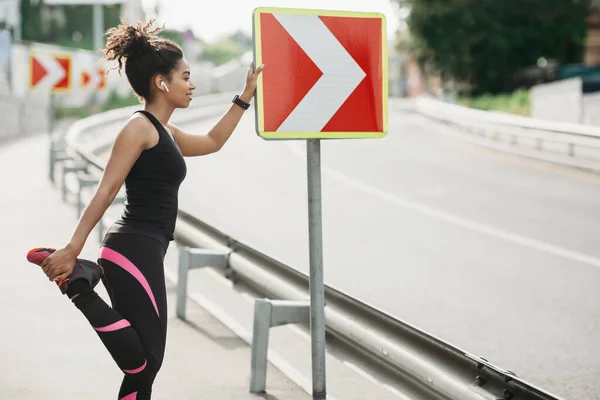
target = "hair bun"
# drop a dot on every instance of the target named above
(137, 41)
(127, 40)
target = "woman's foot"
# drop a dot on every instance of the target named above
(85, 270)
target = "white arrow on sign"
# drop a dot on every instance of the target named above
(94, 79)
(341, 74)
(54, 71)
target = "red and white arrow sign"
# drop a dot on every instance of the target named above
(50, 71)
(325, 74)
(93, 79)
(341, 74)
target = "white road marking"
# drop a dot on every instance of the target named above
(452, 218)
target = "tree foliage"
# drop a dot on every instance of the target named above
(485, 41)
(228, 48)
(221, 52)
(70, 25)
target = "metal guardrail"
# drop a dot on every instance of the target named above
(444, 369)
(413, 355)
(573, 145)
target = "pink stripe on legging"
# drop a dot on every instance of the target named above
(131, 396)
(123, 262)
(114, 327)
(135, 371)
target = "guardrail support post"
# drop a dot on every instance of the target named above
(57, 154)
(268, 314)
(68, 168)
(191, 259)
(84, 180)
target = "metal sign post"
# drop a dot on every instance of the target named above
(51, 111)
(325, 78)
(98, 26)
(317, 288)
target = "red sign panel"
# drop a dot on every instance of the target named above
(325, 74)
(51, 72)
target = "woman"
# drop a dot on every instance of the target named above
(148, 156)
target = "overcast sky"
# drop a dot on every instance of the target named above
(212, 19)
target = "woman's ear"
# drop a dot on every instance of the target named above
(161, 83)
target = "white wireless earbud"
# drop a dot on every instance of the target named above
(165, 86)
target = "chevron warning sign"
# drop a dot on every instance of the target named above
(325, 74)
(93, 79)
(50, 72)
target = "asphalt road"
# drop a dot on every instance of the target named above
(495, 254)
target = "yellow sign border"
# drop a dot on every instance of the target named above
(260, 123)
(55, 55)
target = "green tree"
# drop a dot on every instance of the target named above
(485, 41)
(220, 53)
(70, 25)
(31, 20)
(172, 35)
(227, 49)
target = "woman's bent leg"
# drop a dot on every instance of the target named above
(115, 331)
(134, 279)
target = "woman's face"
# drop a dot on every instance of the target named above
(181, 86)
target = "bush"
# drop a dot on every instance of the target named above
(514, 103)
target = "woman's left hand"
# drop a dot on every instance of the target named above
(251, 79)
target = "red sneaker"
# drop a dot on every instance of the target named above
(84, 269)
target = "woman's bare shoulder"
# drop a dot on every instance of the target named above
(137, 131)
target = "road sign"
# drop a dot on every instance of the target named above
(325, 74)
(94, 79)
(50, 72)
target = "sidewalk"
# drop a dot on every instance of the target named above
(47, 349)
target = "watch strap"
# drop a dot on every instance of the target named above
(240, 102)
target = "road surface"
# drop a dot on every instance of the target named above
(495, 254)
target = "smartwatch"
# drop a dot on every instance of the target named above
(240, 102)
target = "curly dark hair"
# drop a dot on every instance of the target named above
(145, 54)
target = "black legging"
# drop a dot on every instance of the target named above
(134, 330)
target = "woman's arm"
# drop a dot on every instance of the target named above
(192, 145)
(128, 145)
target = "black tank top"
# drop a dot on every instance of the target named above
(152, 185)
